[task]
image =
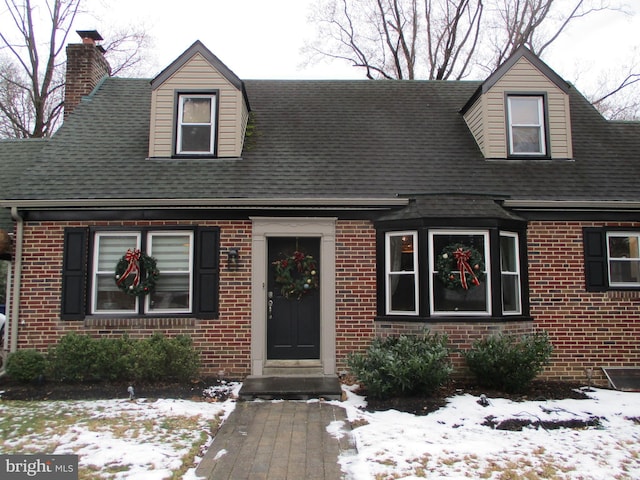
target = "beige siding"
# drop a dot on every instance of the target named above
(197, 74)
(475, 122)
(524, 77)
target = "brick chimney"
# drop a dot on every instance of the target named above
(86, 66)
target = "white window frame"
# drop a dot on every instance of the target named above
(137, 234)
(212, 134)
(621, 234)
(389, 273)
(163, 271)
(516, 274)
(432, 271)
(95, 272)
(540, 125)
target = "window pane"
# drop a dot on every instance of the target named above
(196, 110)
(623, 247)
(508, 260)
(526, 139)
(112, 248)
(525, 110)
(510, 293)
(171, 292)
(622, 271)
(171, 252)
(459, 300)
(196, 138)
(110, 297)
(448, 293)
(403, 293)
(401, 253)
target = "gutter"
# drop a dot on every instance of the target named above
(17, 276)
(369, 202)
(576, 205)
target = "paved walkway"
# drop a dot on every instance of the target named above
(277, 441)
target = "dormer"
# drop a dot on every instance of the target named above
(521, 111)
(199, 108)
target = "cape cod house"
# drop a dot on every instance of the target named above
(292, 221)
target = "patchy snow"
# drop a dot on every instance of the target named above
(449, 443)
(453, 442)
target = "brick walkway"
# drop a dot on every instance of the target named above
(277, 441)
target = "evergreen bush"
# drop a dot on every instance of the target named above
(403, 365)
(26, 365)
(81, 358)
(509, 362)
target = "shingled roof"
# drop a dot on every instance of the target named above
(16, 156)
(326, 139)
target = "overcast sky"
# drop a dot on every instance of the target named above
(262, 38)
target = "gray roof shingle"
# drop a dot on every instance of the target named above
(328, 139)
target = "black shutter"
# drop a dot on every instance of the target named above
(207, 272)
(74, 268)
(595, 259)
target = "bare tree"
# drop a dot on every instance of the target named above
(439, 39)
(32, 67)
(37, 75)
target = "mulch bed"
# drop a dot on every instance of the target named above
(196, 390)
(421, 405)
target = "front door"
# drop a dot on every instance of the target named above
(293, 312)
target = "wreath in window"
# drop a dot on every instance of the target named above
(296, 275)
(460, 266)
(129, 272)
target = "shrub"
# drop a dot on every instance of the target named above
(73, 359)
(80, 358)
(403, 365)
(26, 365)
(509, 362)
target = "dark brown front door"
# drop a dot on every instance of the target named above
(293, 324)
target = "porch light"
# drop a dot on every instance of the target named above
(233, 258)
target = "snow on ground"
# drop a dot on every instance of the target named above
(449, 443)
(453, 442)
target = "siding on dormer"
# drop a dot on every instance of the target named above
(487, 116)
(198, 74)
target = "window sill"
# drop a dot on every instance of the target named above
(453, 319)
(138, 322)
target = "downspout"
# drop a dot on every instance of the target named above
(17, 277)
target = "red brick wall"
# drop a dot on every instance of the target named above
(588, 329)
(224, 343)
(355, 287)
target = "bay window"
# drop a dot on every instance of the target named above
(450, 274)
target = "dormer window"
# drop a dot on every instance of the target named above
(196, 124)
(527, 131)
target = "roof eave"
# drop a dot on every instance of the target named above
(185, 203)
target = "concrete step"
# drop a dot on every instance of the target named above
(284, 368)
(291, 387)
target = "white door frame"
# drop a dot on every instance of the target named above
(324, 228)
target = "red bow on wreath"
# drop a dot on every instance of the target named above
(463, 257)
(133, 257)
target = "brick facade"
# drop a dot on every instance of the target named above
(587, 329)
